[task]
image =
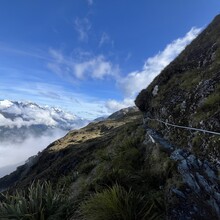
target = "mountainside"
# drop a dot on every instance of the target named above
(162, 164)
(19, 120)
(62, 156)
(26, 128)
(187, 93)
(182, 115)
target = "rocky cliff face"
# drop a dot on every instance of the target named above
(193, 191)
(187, 93)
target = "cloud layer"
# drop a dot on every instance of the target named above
(27, 128)
(14, 153)
(18, 114)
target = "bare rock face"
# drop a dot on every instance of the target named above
(194, 192)
(201, 192)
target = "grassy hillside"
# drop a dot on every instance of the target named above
(102, 171)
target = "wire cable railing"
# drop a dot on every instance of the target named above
(185, 127)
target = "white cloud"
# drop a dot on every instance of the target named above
(14, 153)
(26, 52)
(96, 67)
(5, 104)
(129, 55)
(30, 116)
(135, 81)
(25, 114)
(82, 27)
(90, 2)
(113, 105)
(105, 39)
(58, 56)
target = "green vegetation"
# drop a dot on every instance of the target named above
(124, 170)
(212, 101)
(190, 79)
(209, 107)
(119, 204)
(38, 202)
(117, 182)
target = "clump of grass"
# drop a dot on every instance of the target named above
(212, 101)
(39, 202)
(87, 167)
(122, 164)
(119, 204)
(190, 79)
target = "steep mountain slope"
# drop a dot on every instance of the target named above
(182, 115)
(26, 128)
(63, 155)
(187, 93)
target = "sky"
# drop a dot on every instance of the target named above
(92, 57)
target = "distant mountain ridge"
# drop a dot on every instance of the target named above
(20, 119)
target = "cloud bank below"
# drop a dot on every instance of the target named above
(12, 153)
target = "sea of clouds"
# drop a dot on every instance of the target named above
(14, 154)
(27, 128)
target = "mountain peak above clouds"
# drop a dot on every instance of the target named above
(5, 104)
(15, 114)
(26, 128)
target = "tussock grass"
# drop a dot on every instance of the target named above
(119, 204)
(38, 202)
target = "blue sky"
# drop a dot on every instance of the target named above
(92, 57)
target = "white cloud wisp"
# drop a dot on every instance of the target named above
(135, 81)
(82, 27)
(96, 67)
(105, 39)
(90, 2)
(113, 105)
